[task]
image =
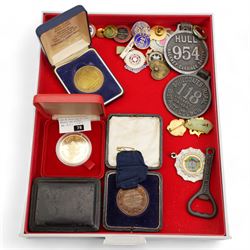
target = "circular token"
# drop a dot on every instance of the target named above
(190, 164)
(184, 52)
(92, 30)
(99, 33)
(88, 79)
(110, 31)
(123, 34)
(187, 96)
(135, 59)
(140, 27)
(142, 41)
(158, 32)
(132, 202)
(159, 70)
(73, 149)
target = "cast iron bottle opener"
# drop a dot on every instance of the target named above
(204, 192)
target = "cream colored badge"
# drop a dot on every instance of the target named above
(189, 164)
(135, 59)
(176, 127)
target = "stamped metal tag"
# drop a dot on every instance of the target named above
(187, 96)
(184, 52)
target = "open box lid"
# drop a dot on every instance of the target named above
(56, 105)
(65, 36)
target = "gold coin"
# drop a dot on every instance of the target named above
(73, 149)
(132, 202)
(99, 33)
(158, 32)
(88, 79)
(110, 31)
(159, 69)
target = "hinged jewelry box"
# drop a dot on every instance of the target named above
(66, 42)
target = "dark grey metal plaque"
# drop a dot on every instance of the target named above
(184, 52)
(188, 96)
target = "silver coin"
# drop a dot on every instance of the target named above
(184, 52)
(187, 96)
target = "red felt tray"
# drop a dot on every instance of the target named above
(142, 94)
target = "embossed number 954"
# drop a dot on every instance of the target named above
(185, 53)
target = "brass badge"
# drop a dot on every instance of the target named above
(132, 202)
(176, 127)
(88, 79)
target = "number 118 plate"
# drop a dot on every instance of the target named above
(184, 52)
(187, 96)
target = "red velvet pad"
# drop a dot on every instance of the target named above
(142, 94)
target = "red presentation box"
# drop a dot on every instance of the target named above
(142, 95)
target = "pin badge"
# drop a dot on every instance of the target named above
(135, 59)
(110, 31)
(140, 27)
(189, 164)
(196, 126)
(158, 32)
(176, 127)
(123, 34)
(142, 41)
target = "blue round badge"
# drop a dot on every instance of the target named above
(142, 41)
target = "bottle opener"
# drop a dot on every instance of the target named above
(204, 192)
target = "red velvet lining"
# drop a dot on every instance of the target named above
(142, 94)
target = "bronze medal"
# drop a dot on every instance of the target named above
(88, 79)
(132, 202)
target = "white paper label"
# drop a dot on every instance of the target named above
(73, 124)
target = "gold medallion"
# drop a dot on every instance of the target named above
(132, 202)
(88, 79)
(73, 149)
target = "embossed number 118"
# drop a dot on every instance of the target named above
(192, 98)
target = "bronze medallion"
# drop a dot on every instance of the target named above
(88, 79)
(132, 202)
